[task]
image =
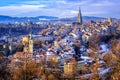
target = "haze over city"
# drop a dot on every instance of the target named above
(59, 8)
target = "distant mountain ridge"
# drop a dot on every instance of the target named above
(24, 19)
(46, 18)
(85, 18)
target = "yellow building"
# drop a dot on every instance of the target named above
(26, 48)
(56, 43)
(70, 67)
(55, 59)
(30, 46)
(28, 43)
(25, 40)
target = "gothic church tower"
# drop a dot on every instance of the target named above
(79, 17)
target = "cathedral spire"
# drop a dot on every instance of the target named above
(10, 40)
(30, 38)
(79, 16)
(30, 28)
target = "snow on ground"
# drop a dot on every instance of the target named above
(104, 47)
(104, 71)
(85, 57)
(86, 75)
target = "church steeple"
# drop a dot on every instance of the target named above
(29, 46)
(79, 16)
(110, 20)
(30, 40)
(10, 40)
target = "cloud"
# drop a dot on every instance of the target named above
(60, 8)
(18, 10)
(74, 12)
(103, 4)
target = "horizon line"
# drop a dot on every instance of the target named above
(55, 16)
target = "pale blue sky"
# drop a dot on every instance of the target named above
(60, 8)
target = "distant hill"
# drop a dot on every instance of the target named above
(85, 18)
(25, 19)
(4, 19)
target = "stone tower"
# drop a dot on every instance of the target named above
(79, 16)
(30, 43)
(10, 45)
(10, 40)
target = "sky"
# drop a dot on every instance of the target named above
(60, 8)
